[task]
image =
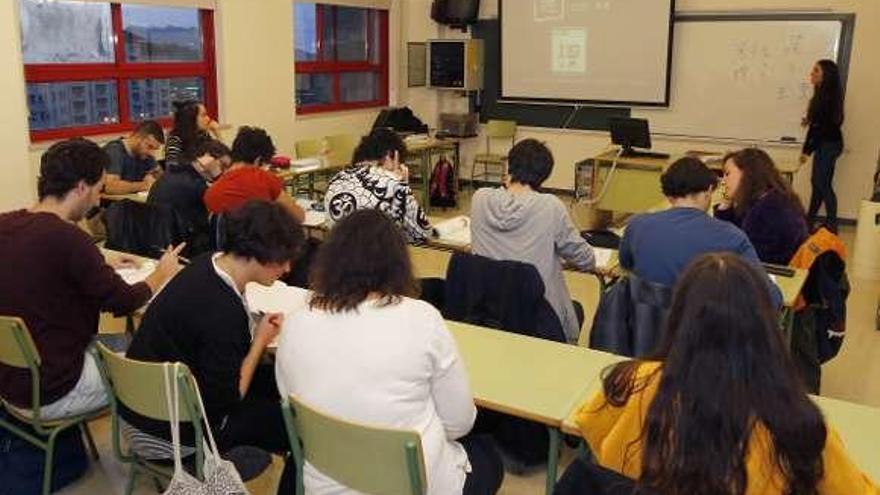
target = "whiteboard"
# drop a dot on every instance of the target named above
(743, 79)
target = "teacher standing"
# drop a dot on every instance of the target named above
(824, 139)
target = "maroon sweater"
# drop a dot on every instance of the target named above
(56, 280)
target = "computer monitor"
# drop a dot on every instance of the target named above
(630, 133)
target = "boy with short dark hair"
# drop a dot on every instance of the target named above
(518, 222)
(54, 277)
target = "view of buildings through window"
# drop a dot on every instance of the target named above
(78, 78)
(341, 57)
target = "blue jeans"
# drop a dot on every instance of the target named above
(824, 160)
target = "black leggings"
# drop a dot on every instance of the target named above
(583, 477)
(487, 472)
(257, 421)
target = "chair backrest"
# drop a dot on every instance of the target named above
(365, 458)
(17, 348)
(142, 228)
(503, 294)
(500, 129)
(308, 148)
(341, 148)
(140, 386)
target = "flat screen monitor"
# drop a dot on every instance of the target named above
(630, 133)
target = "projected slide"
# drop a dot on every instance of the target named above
(569, 50)
(585, 50)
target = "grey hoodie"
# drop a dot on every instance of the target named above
(533, 228)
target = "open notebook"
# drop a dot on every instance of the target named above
(133, 275)
(279, 298)
(456, 230)
(314, 218)
(603, 256)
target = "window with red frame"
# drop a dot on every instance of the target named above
(96, 68)
(341, 57)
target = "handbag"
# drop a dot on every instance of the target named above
(221, 477)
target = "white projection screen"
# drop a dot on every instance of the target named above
(597, 51)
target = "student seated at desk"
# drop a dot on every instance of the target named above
(202, 320)
(246, 180)
(192, 127)
(658, 246)
(54, 278)
(132, 167)
(760, 202)
(378, 181)
(183, 188)
(365, 350)
(720, 408)
(517, 222)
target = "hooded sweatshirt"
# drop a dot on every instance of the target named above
(533, 228)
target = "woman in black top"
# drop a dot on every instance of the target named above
(192, 127)
(824, 139)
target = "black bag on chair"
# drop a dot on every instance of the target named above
(631, 317)
(21, 463)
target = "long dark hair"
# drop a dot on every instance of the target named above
(759, 176)
(364, 254)
(725, 370)
(186, 127)
(827, 101)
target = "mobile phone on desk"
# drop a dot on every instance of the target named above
(780, 270)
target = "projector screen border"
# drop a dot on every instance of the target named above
(586, 102)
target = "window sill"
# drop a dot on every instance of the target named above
(101, 139)
(340, 112)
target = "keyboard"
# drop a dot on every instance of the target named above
(644, 154)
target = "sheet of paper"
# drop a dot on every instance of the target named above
(456, 230)
(279, 298)
(603, 256)
(133, 275)
(314, 218)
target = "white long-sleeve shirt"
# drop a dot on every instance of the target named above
(394, 366)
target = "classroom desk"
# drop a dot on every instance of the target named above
(291, 175)
(859, 428)
(583, 287)
(635, 185)
(108, 322)
(529, 378)
(858, 425)
(140, 197)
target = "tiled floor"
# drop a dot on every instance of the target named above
(854, 375)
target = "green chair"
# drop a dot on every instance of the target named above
(140, 386)
(494, 164)
(305, 183)
(364, 458)
(17, 350)
(308, 148)
(340, 148)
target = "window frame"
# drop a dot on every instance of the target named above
(336, 68)
(121, 71)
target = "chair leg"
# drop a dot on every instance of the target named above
(47, 468)
(91, 441)
(158, 484)
(132, 475)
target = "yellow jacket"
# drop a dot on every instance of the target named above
(611, 430)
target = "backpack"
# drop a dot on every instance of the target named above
(21, 463)
(442, 184)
